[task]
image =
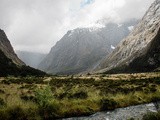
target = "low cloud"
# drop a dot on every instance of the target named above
(36, 25)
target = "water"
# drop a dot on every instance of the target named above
(135, 112)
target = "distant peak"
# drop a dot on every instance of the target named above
(89, 28)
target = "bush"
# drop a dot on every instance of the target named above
(2, 91)
(152, 116)
(79, 95)
(47, 106)
(49, 111)
(43, 96)
(18, 113)
(107, 104)
(2, 103)
(6, 82)
(130, 119)
(27, 97)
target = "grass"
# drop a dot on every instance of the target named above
(152, 116)
(67, 96)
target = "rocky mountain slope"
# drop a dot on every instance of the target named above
(140, 51)
(31, 58)
(10, 64)
(80, 49)
(6, 47)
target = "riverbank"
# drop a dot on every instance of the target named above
(132, 112)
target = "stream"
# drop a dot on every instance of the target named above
(135, 112)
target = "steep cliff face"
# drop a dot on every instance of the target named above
(140, 51)
(80, 49)
(7, 49)
(10, 64)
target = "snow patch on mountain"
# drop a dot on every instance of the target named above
(112, 47)
(139, 52)
(71, 33)
(130, 28)
(79, 50)
(119, 25)
(89, 28)
(95, 26)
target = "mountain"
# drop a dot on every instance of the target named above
(140, 51)
(6, 47)
(80, 49)
(10, 64)
(31, 58)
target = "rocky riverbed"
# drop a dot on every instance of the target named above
(135, 112)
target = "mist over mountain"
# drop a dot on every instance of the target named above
(80, 49)
(103, 63)
(36, 26)
(140, 51)
(31, 58)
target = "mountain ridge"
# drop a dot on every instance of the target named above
(10, 64)
(131, 54)
(8, 50)
(80, 49)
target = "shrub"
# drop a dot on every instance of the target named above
(47, 106)
(18, 113)
(61, 95)
(107, 104)
(155, 99)
(27, 97)
(6, 82)
(49, 111)
(152, 116)
(130, 119)
(79, 95)
(43, 96)
(2, 91)
(2, 103)
(29, 86)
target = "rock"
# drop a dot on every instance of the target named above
(136, 112)
(6, 47)
(140, 51)
(81, 49)
(10, 64)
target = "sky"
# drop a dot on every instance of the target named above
(36, 25)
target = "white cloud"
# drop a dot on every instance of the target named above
(37, 25)
(118, 3)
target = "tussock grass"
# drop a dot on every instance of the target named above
(152, 116)
(68, 96)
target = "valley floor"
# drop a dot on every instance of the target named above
(69, 96)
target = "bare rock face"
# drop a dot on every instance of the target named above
(10, 64)
(140, 51)
(7, 49)
(81, 49)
